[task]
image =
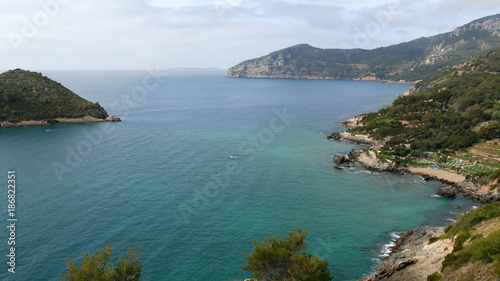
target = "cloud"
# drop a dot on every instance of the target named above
(115, 34)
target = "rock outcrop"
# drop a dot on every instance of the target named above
(355, 138)
(97, 112)
(113, 118)
(370, 161)
(413, 258)
(340, 159)
(353, 122)
(446, 191)
(31, 123)
(478, 194)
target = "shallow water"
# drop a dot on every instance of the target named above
(200, 166)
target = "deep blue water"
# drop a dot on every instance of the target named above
(201, 165)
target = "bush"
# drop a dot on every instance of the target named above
(495, 174)
(467, 220)
(436, 276)
(433, 239)
(486, 249)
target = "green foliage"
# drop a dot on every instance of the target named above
(310, 267)
(97, 267)
(433, 239)
(460, 240)
(443, 111)
(282, 258)
(436, 276)
(495, 174)
(26, 95)
(407, 61)
(495, 269)
(489, 131)
(486, 249)
(467, 220)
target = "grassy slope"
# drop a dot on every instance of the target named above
(476, 253)
(26, 95)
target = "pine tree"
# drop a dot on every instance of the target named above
(283, 258)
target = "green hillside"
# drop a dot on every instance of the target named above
(26, 95)
(409, 61)
(476, 250)
(450, 120)
(445, 110)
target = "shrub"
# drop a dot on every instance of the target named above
(436, 276)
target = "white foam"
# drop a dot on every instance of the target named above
(387, 248)
(395, 236)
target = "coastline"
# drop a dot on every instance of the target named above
(412, 257)
(369, 160)
(369, 79)
(48, 122)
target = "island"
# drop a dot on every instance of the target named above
(31, 99)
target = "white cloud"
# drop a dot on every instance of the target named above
(115, 34)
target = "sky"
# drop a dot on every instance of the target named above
(140, 34)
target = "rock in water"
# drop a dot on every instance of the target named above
(339, 159)
(446, 191)
(113, 118)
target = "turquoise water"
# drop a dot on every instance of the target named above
(200, 166)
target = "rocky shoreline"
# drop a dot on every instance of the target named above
(370, 161)
(412, 257)
(47, 122)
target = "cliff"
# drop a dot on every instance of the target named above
(409, 61)
(31, 99)
(413, 258)
(465, 250)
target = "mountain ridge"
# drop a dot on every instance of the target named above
(404, 62)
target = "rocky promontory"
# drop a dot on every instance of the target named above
(355, 138)
(413, 258)
(465, 250)
(409, 61)
(369, 160)
(31, 99)
(47, 122)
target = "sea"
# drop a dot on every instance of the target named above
(199, 167)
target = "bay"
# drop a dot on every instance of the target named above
(201, 165)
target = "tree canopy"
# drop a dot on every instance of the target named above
(283, 258)
(98, 267)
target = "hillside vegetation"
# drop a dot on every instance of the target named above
(409, 61)
(444, 110)
(476, 250)
(26, 95)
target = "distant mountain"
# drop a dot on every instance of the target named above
(410, 61)
(26, 95)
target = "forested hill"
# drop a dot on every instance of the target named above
(26, 95)
(409, 61)
(450, 110)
